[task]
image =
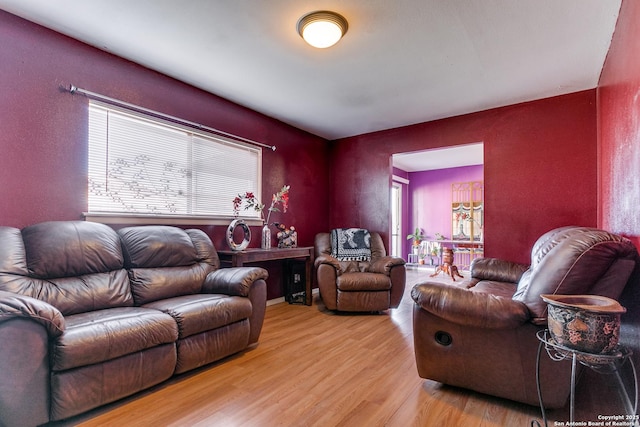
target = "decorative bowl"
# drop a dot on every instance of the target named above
(586, 323)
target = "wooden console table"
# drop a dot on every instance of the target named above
(464, 251)
(255, 255)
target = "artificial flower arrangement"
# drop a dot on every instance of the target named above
(250, 201)
(467, 217)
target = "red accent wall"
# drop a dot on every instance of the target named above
(619, 153)
(43, 137)
(619, 128)
(43, 131)
(540, 157)
(539, 170)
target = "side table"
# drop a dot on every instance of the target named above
(256, 255)
(602, 363)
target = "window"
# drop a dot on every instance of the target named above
(142, 165)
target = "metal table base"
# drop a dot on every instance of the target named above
(602, 363)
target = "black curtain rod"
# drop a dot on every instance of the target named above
(98, 97)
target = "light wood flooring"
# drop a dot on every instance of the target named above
(313, 367)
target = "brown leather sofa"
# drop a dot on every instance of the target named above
(374, 285)
(89, 315)
(481, 334)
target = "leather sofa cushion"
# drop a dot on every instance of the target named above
(204, 247)
(363, 301)
(78, 390)
(13, 257)
(203, 312)
(103, 335)
(501, 289)
(75, 266)
(157, 246)
(201, 349)
(166, 262)
(72, 295)
(152, 284)
(348, 282)
(71, 248)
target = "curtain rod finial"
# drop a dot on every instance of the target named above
(273, 148)
(72, 89)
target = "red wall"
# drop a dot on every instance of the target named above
(43, 138)
(540, 157)
(619, 152)
(539, 170)
(43, 130)
(619, 128)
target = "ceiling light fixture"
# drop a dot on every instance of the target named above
(322, 29)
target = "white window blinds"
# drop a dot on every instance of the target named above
(143, 165)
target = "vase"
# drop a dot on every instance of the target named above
(587, 323)
(266, 237)
(231, 232)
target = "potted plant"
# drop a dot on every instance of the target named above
(417, 237)
(435, 250)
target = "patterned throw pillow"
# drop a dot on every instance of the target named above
(351, 244)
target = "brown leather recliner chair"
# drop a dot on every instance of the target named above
(481, 335)
(374, 285)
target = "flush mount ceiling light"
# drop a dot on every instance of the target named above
(322, 29)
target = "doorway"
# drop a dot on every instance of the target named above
(396, 219)
(422, 198)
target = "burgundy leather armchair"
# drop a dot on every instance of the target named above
(374, 285)
(481, 334)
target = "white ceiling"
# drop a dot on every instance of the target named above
(440, 158)
(401, 62)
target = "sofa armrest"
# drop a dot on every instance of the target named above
(246, 282)
(14, 306)
(328, 260)
(383, 265)
(233, 281)
(468, 308)
(497, 270)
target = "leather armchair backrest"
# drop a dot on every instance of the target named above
(576, 260)
(165, 261)
(322, 246)
(76, 266)
(377, 247)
